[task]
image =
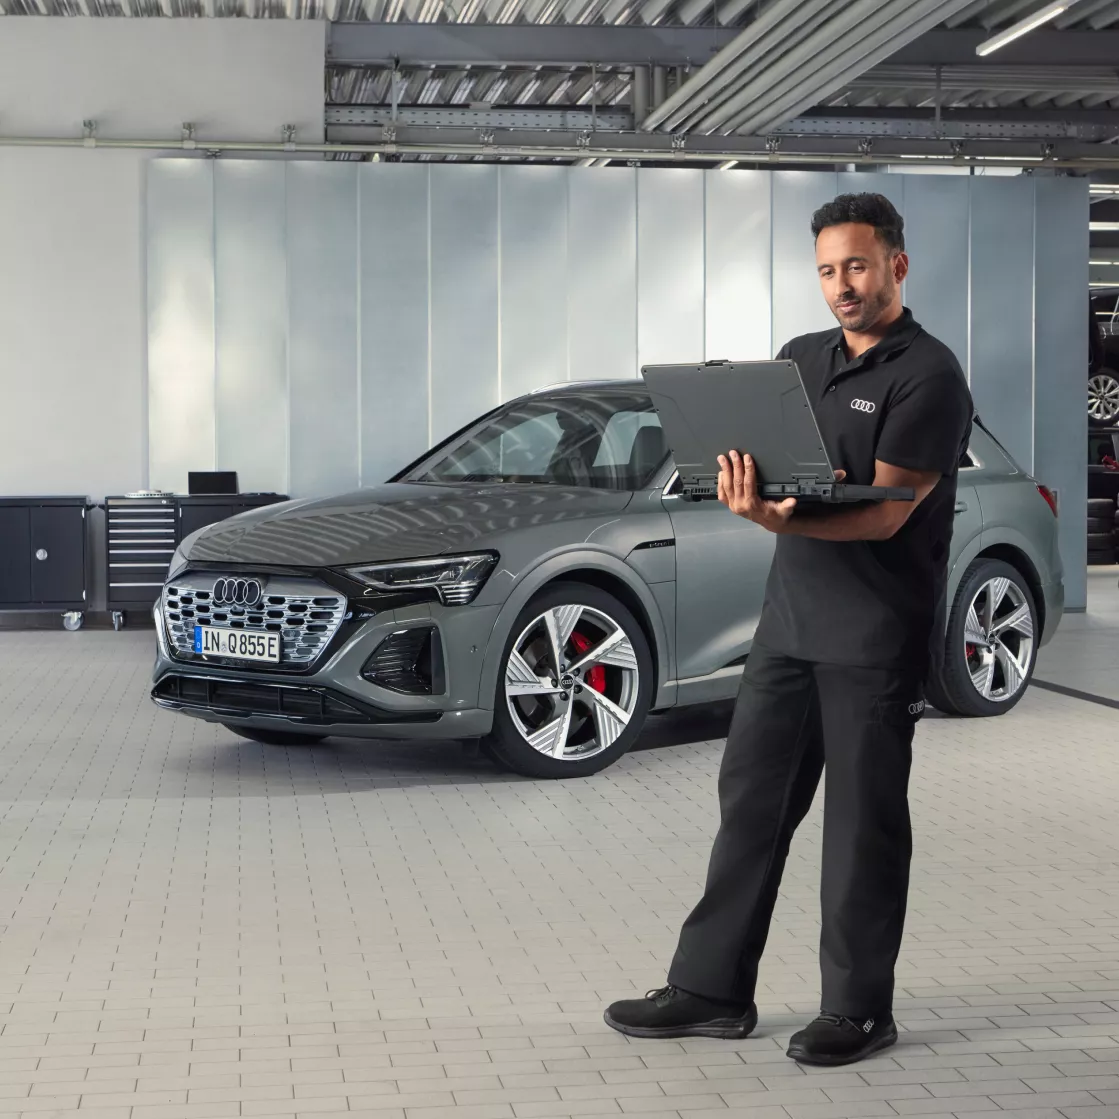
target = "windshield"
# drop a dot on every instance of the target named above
(605, 439)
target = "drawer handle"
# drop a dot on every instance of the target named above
(41, 554)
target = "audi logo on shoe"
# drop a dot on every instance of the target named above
(863, 405)
(238, 592)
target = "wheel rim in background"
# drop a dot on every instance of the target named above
(1103, 397)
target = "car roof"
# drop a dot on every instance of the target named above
(601, 382)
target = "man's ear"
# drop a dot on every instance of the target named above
(901, 267)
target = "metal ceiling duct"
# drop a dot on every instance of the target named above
(766, 52)
(712, 73)
(860, 51)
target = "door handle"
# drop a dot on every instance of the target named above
(961, 507)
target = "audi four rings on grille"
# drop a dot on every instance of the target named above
(863, 405)
(237, 592)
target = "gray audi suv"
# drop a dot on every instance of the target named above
(538, 582)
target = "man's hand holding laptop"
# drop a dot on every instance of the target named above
(738, 491)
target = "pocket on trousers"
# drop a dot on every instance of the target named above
(899, 712)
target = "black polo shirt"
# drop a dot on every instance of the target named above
(906, 402)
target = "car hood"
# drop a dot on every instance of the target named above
(396, 520)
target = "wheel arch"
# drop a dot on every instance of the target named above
(602, 571)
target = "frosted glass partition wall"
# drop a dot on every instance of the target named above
(316, 325)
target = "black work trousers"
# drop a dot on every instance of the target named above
(794, 719)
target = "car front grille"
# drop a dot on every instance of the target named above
(305, 614)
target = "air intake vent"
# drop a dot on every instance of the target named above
(408, 661)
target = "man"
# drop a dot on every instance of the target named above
(853, 608)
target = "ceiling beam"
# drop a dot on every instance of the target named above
(500, 44)
(1044, 47)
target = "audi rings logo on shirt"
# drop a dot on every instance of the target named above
(238, 592)
(917, 708)
(863, 405)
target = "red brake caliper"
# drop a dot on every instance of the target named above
(595, 676)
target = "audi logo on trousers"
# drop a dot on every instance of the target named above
(238, 592)
(863, 405)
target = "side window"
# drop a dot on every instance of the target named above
(622, 431)
(967, 462)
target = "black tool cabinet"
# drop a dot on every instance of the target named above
(44, 556)
(143, 533)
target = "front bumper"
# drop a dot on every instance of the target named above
(332, 697)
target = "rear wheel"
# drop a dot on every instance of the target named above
(275, 737)
(991, 642)
(574, 687)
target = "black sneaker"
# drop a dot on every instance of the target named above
(835, 1040)
(670, 1012)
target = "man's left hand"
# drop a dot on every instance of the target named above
(738, 491)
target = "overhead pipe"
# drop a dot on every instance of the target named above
(660, 87)
(757, 54)
(831, 38)
(573, 152)
(712, 69)
(868, 50)
(640, 92)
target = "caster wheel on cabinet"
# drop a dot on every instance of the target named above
(118, 619)
(72, 620)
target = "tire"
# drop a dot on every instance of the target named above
(275, 737)
(1100, 508)
(526, 702)
(1101, 524)
(1103, 398)
(1000, 646)
(1101, 541)
(1101, 559)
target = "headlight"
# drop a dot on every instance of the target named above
(455, 579)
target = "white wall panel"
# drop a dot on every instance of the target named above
(533, 235)
(322, 327)
(1060, 360)
(250, 317)
(798, 305)
(393, 316)
(182, 406)
(1002, 309)
(936, 238)
(738, 280)
(464, 295)
(602, 272)
(670, 269)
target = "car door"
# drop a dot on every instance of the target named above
(722, 563)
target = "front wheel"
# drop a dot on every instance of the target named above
(275, 737)
(991, 642)
(574, 687)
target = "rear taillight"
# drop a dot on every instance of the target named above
(1049, 495)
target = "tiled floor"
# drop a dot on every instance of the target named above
(194, 927)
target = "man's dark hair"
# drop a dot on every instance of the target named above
(865, 209)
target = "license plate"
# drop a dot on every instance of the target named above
(246, 645)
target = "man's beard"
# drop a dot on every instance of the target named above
(866, 311)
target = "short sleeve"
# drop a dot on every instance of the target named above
(785, 352)
(926, 424)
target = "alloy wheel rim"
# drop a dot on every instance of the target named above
(1103, 397)
(571, 682)
(999, 640)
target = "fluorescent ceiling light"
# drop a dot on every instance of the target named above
(1105, 263)
(1103, 226)
(730, 163)
(1103, 188)
(1023, 27)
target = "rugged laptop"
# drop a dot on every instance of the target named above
(759, 407)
